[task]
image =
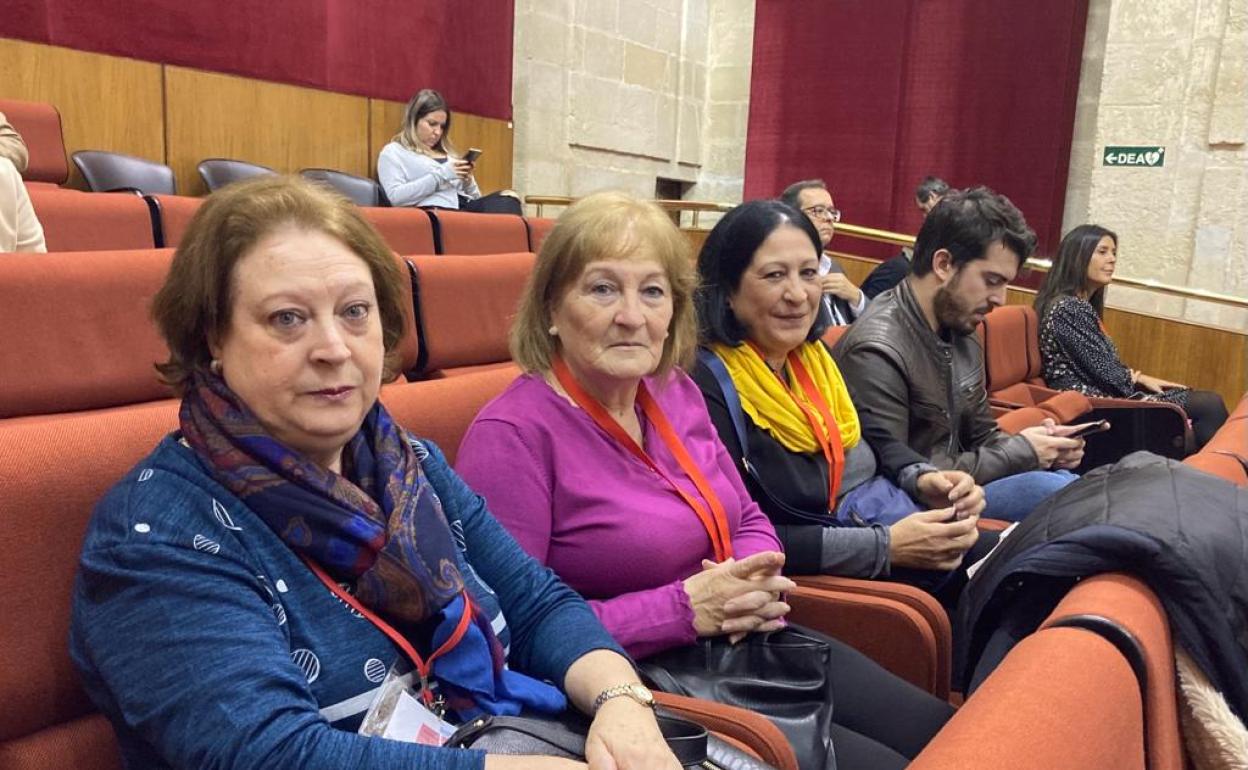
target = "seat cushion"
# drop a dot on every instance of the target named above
(40, 126)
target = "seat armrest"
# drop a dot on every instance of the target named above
(1063, 697)
(900, 627)
(752, 731)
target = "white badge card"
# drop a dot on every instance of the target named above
(398, 713)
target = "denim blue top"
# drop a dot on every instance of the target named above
(208, 643)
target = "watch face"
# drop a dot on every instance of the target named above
(642, 694)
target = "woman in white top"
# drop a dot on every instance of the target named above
(19, 228)
(420, 166)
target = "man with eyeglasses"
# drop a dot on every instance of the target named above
(841, 298)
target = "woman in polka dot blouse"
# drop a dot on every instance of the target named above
(1077, 352)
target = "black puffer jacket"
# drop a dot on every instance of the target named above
(1182, 531)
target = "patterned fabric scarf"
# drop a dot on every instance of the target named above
(771, 405)
(381, 529)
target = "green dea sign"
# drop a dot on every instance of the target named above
(1148, 157)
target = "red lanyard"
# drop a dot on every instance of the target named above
(423, 666)
(715, 520)
(827, 433)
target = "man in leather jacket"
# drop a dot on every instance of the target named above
(915, 370)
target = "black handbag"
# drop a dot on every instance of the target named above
(783, 675)
(564, 736)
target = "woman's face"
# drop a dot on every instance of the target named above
(429, 129)
(303, 347)
(613, 320)
(1101, 265)
(779, 292)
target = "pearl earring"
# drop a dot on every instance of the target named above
(553, 331)
(215, 367)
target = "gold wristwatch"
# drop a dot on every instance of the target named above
(635, 690)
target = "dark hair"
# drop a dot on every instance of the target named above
(424, 102)
(727, 253)
(1069, 272)
(932, 185)
(966, 223)
(193, 306)
(792, 194)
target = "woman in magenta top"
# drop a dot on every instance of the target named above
(604, 464)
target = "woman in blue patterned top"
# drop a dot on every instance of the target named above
(246, 588)
(1077, 352)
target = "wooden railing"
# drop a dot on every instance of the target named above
(694, 207)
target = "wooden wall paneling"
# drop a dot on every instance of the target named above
(493, 137)
(285, 127)
(106, 102)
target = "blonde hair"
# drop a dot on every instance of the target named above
(424, 102)
(194, 304)
(605, 226)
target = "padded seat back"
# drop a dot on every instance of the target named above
(170, 216)
(40, 126)
(1124, 610)
(1009, 335)
(218, 172)
(359, 189)
(466, 305)
(539, 228)
(442, 410)
(79, 333)
(52, 473)
(109, 171)
(78, 221)
(463, 232)
(407, 231)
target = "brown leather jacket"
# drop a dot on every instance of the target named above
(926, 391)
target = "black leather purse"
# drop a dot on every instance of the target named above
(564, 736)
(782, 675)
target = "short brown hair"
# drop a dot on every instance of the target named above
(603, 226)
(193, 307)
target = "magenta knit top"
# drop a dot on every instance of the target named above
(604, 522)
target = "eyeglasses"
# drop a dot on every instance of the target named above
(823, 212)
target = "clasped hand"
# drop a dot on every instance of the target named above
(736, 597)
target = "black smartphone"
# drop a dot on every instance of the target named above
(1100, 426)
(472, 154)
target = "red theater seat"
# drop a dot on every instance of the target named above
(78, 329)
(170, 216)
(407, 231)
(78, 221)
(539, 228)
(40, 127)
(81, 335)
(466, 305)
(462, 232)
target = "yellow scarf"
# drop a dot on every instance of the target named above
(772, 406)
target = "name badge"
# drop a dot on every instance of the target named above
(398, 713)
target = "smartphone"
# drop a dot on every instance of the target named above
(1100, 426)
(472, 154)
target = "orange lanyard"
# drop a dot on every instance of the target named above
(827, 434)
(423, 666)
(715, 520)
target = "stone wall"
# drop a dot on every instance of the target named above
(618, 93)
(1169, 73)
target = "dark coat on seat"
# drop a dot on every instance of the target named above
(1181, 530)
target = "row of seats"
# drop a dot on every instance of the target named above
(80, 221)
(58, 466)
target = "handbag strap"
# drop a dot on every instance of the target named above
(715, 520)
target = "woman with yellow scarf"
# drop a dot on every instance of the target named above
(844, 499)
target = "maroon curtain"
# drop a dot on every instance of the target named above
(386, 49)
(872, 97)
